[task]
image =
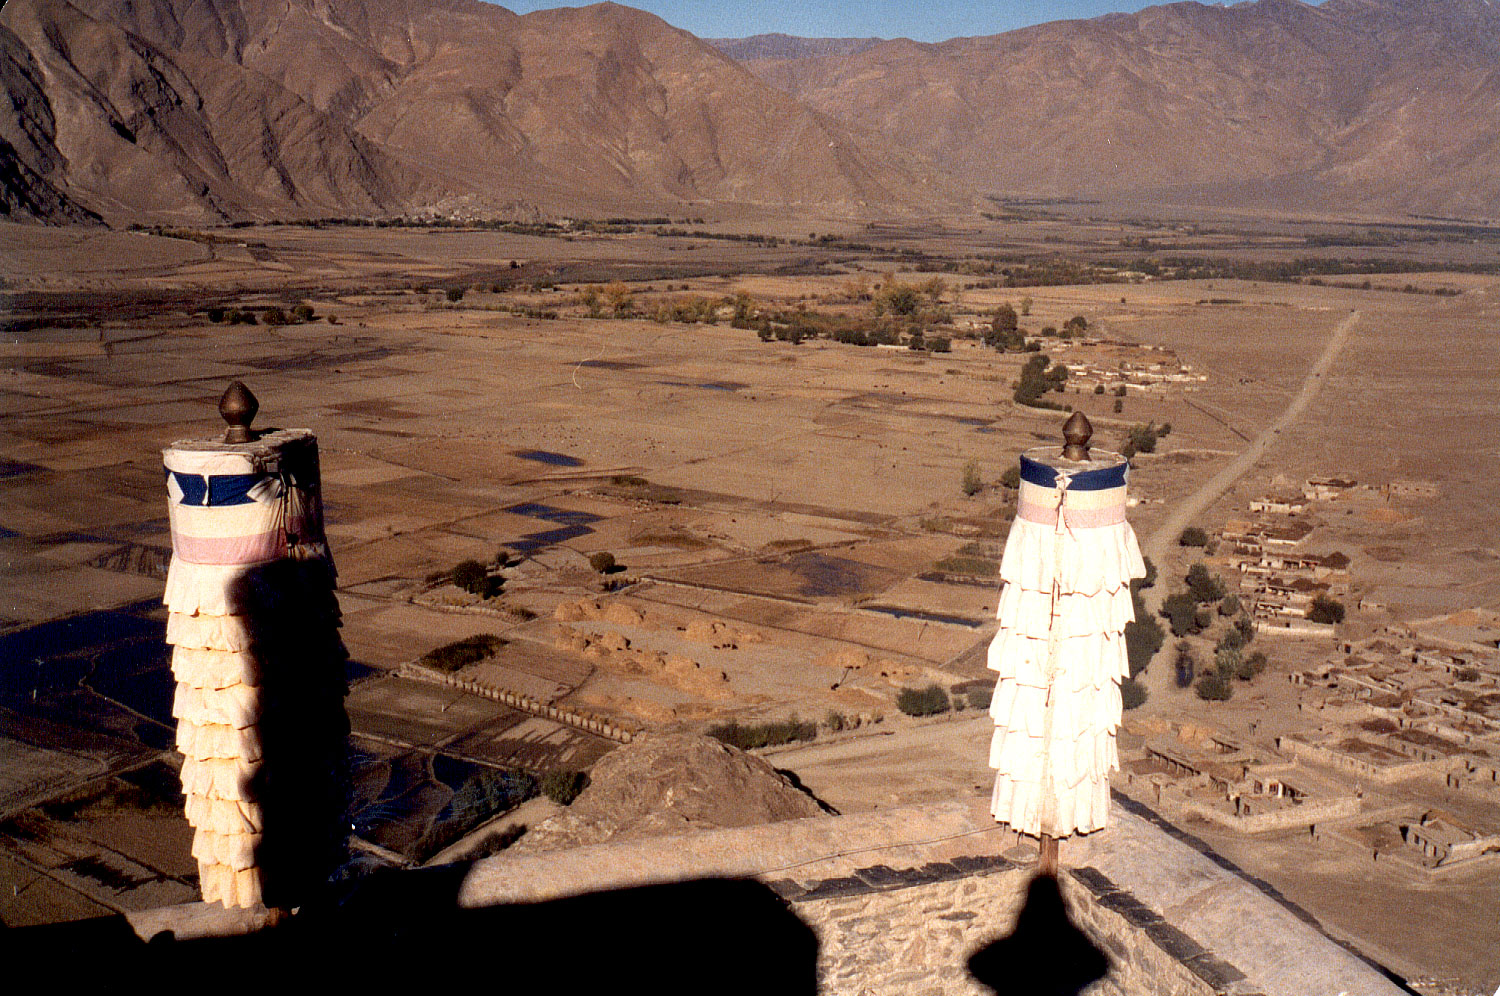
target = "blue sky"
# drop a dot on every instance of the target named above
(934, 20)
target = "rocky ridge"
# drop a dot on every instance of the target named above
(670, 784)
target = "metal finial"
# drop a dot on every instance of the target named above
(238, 407)
(1077, 431)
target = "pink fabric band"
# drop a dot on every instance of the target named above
(230, 549)
(1082, 518)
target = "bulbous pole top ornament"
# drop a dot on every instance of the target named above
(1077, 431)
(238, 407)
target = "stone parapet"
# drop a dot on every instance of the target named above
(901, 898)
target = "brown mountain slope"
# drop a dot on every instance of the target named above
(29, 160)
(152, 132)
(265, 108)
(605, 105)
(779, 46)
(1374, 104)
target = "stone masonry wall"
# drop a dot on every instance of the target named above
(912, 931)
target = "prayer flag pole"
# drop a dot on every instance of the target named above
(1060, 648)
(253, 623)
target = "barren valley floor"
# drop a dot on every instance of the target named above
(788, 521)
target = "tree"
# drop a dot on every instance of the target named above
(1326, 610)
(1192, 536)
(1132, 694)
(1231, 638)
(972, 483)
(563, 786)
(1143, 438)
(1011, 479)
(1227, 661)
(1230, 606)
(1035, 381)
(897, 298)
(744, 310)
(1003, 321)
(1206, 588)
(603, 561)
(469, 575)
(1143, 638)
(1181, 610)
(618, 293)
(589, 298)
(927, 701)
(1214, 687)
(1025, 305)
(1148, 581)
(454, 294)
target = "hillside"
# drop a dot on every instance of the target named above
(1356, 104)
(779, 46)
(206, 110)
(190, 110)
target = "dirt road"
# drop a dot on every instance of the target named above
(1192, 506)
(1160, 544)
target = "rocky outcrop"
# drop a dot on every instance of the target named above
(671, 784)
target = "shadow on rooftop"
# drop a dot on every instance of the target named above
(403, 932)
(1046, 955)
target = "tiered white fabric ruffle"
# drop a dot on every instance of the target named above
(1060, 654)
(217, 706)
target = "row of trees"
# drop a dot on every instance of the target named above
(273, 315)
(1194, 610)
(1143, 638)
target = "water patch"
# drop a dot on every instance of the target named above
(609, 365)
(548, 457)
(942, 577)
(135, 558)
(322, 361)
(532, 542)
(536, 510)
(937, 617)
(15, 468)
(828, 577)
(707, 385)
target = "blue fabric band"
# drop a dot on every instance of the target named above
(1035, 472)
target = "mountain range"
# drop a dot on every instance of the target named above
(205, 110)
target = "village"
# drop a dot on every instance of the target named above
(1390, 743)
